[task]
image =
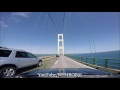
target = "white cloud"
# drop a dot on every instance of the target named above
(22, 14)
(13, 17)
(2, 24)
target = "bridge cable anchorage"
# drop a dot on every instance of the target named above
(63, 21)
(88, 32)
(52, 22)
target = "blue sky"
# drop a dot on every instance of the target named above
(35, 32)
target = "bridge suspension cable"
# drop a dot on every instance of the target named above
(86, 33)
(70, 31)
(87, 30)
(63, 22)
(52, 22)
(34, 28)
(0, 30)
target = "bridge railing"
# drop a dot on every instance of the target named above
(104, 62)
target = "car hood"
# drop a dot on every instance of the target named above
(66, 73)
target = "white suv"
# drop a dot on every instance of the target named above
(13, 59)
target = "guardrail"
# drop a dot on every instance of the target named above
(112, 63)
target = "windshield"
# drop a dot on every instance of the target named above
(84, 43)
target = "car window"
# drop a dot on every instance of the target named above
(21, 54)
(5, 53)
(31, 55)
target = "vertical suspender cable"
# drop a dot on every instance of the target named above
(83, 20)
(0, 30)
(86, 32)
(34, 28)
(67, 19)
(63, 22)
(71, 34)
(52, 22)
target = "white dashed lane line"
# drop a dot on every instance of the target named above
(56, 61)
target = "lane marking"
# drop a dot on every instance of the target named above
(56, 61)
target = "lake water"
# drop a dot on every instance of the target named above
(114, 57)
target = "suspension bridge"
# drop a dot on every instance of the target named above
(72, 61)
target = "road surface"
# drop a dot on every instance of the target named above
(65, 62)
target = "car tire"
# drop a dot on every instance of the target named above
(7, 72)
(39, 63)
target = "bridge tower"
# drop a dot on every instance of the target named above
(60, 47)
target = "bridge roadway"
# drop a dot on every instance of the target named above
(65, 62)
(67, 65)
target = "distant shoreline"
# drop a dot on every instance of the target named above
(97, 52)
